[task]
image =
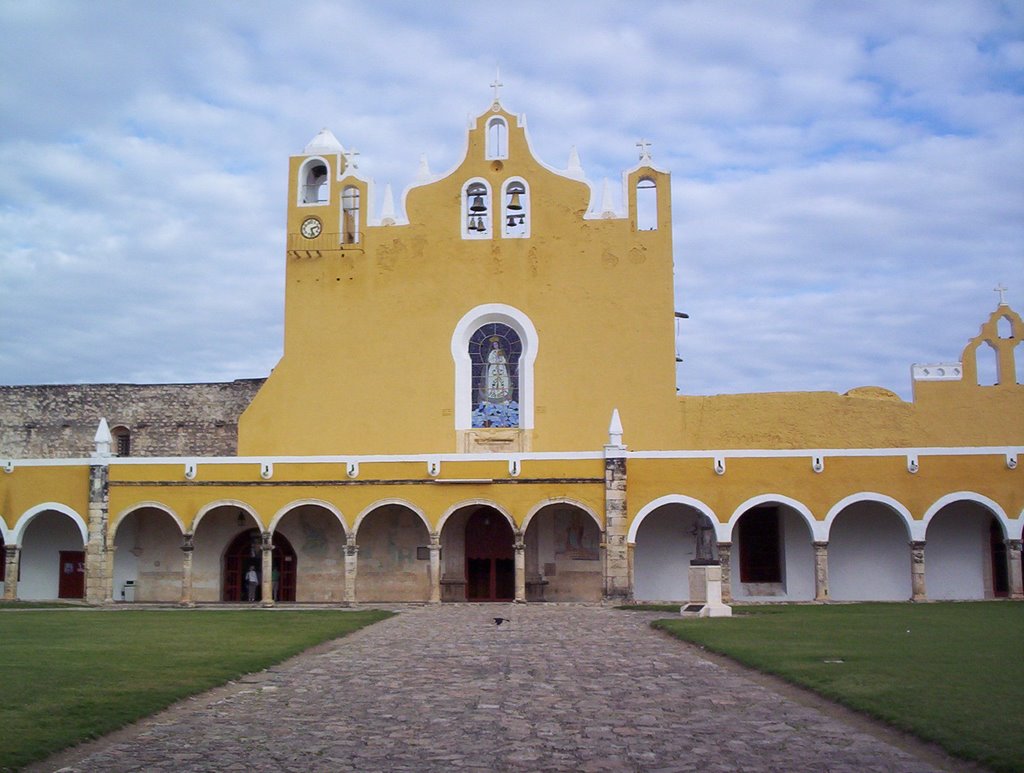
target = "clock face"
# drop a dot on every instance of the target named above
(310, 228)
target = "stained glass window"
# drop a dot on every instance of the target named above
(494, 351)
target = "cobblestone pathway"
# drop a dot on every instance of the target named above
(559, 687)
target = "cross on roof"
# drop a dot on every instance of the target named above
(1001, 289)
(350, 157)
(645, 149)
(496, 83)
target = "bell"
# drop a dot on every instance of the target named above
(514, 202)
(511, 220)
(480, 224)
(478, 204)
(471, 225)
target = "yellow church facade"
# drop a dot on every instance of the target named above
(477, 401)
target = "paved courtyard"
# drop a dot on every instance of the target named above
(557, 687)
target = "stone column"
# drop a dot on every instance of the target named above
(267, 576)
(97, 573)
(520, 556)
(821, 571)
(187, 549)
(110, 585)
(435, 568)
(1014, 572)
(917, 571)
(12, 563)
(351, 565)
(616, 554)
(724, 553)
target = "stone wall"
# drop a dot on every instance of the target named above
(163, 419)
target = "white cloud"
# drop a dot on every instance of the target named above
(847, 186)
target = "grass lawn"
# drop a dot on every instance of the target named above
(71, 675)
(948, 673)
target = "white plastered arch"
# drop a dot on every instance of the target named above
(139, 506)
(301, 182)
(561, 501)
(471, 321)
(236, 503)
(968, 496)
(475, 503)
(867, 496)
(384, 503)
(29, 515)
(303, 502)
(721, 529)
(813, 526)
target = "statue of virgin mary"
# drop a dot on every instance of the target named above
(497, 386)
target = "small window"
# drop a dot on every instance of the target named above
(314, 186)
(497, 139)
(476, 210)
(350, 215)
(122, 438)
(646, 205)
(515, 212)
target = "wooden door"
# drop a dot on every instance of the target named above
(490, 557)
(72, 575)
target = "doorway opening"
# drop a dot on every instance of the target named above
(490, 557)
(246, 552)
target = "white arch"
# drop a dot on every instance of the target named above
(138, 506)
(32, 512)
(301, 182)
(866, 496)
(966, 496)
(470, 503)
(300, 503)
(561, 501)
(249, 510)
(721, 529)
(472, 320)
(7, 534)
(815, 527)
(384, 503)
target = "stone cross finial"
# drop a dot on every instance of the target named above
(350, 157)
(1001, 289)
(645, 149)
(496, 84)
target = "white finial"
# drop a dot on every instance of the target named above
(102, 439)
(607, 208)
(387, 211)
(423, 173)
(323, 142)
(496, 84)
(1001, 289)
(350, 157)
(575, 168)
(615, 429)
(645, 149)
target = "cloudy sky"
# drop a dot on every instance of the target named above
(848, 177)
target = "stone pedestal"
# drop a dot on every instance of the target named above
(705, 593)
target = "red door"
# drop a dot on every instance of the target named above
(490, 558)
(72, 575)
(245, 551)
